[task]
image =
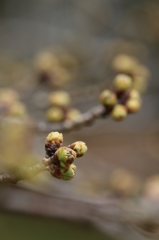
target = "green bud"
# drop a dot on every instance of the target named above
(134, 94)
(60, 98)
(55, 114)
(79, 147)
(45, 62)
(62, 173)
(125, 63)
(133, 105)
(122, 82)
(65, 156)
(54, 138)
(108, 98)
(17, 109)
(119, 112)
(72, 114)
(68, 174)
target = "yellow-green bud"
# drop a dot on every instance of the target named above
(65, 156)
(59, 98)
(17, 109)
(134, 94)
(79, 147)
(125, 63)
(68, 174)
(133, 105)
(122, 82)
(62, 173)
(55, 114)
(54, 138)
(108, 98)
(45, 61)
(119, 112)
(72, 114)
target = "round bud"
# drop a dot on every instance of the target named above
(65, 156)
(60, 98)
(62, 173)
(17, 109)
(68, 174)
(72, 114)
(53, 142)
(119, 112)
(108, 98)
(79, 147)
(134, 94)
(55, 114)
(133, 105)
(122, 82)
(54, 138)
(45, 61)
(124, 63)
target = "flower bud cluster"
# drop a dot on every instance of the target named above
(10, 105)
(55, 69)
(62, 166)
(124, 98)
(131, 66)
(60, 107)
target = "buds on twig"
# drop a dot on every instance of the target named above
(58, 160)
(125, 97)
(62, 158)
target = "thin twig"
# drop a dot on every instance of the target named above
(25, 173)
(84, 119)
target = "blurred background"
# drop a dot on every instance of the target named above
(69, 45)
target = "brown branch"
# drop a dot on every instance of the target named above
(84, 119)
(25, 173)
(112, 215)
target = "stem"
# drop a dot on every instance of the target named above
(84, 119)
(25, 173)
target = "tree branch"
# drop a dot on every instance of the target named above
(84, 119)
(25, 173)
(117, 216)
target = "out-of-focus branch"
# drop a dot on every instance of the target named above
(58, 161)
(25, 173)
(84, 119)
(112, 215)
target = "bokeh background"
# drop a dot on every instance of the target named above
(85, 36)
